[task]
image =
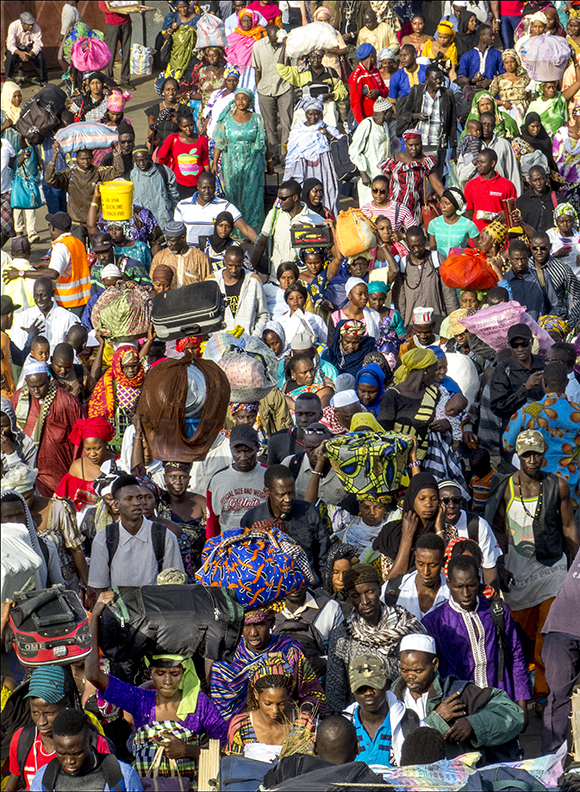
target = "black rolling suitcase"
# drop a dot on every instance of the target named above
(196, 309)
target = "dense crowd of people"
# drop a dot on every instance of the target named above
(400, 399)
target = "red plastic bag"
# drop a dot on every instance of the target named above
(468, 270)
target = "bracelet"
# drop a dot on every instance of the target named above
(94, 204)
(414, 464)
(21, 273)
(138, 437)
(317, 473)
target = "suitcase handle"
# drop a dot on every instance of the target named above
(31, 605)
(66, 617)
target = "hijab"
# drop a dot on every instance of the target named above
(8, 90)
(217, 243)
(389, 539)
(542, 142)
(465, 39)
(309, 185)
(372, 374)
(505, 126)
(347, 363)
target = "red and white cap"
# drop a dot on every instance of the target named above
(422, 316)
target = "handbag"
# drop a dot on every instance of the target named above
(25, 193)
(153, 782)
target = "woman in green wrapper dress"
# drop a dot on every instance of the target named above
(483, 102)
(240, 140)
(551, 106)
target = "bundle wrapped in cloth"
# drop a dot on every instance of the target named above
(546, 58)
(315, 36)
(123, 311)
(249, 364)
(179, 421)
(85, 135)
(369, 463)
(260, 564)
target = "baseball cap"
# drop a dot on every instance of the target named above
(530, 440)
(519, 331)
(60, 220)
(242, 434)
(7, 306)
(47, 683)
(367, 671)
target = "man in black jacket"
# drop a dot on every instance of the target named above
(287, 442)
(430, 108)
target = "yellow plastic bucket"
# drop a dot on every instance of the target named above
(117, 200)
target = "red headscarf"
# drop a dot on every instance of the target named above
(91, 427)
(102, 402)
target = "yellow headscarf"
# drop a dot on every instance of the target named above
(446, 27)
(415, 359)
(189, 685)
(8, 90)
(367, 421)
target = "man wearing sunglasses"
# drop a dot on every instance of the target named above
(535, 291)
(314, 475)
(453, 519)
(517, 380)
(566, 284)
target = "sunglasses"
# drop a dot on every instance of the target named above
(282, 198)
(523, 344)
(539, 247)
(377, 190)
(317, 431)
(454, 500)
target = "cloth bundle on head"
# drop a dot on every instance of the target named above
(455, 326)
(456, 197)
(19, 478)
(365, 51)
(423, 316)
(359, 574)
(566, 209)
(554, 324)
(116, 101)
(416, 642)
(413, 360)
(353, 327)
(85, 428)
(497, 230)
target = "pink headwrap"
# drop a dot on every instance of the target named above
(117, 101)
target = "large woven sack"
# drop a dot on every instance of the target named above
(85, 135)
(469, 270)
(355, 233)
(491, 325)
(124, 311)
(369, 463)
(260, 564)
(210, 32)
(247, 374)
(546, 58)
(90, 54)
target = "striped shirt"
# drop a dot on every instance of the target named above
(566, 285)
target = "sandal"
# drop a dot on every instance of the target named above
(539, 706)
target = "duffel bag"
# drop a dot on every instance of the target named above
(369, 462)
(36, 122)
(261, 565)
(355, 233)
(50, 627)
(172, 619)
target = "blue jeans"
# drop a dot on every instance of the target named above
(55, 199)
(508, 26)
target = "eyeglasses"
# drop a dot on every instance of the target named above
(377, 190)
(316, 431)
(522, 344)
(539, 247)
(455, 500)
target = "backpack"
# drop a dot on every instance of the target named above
(473, 526)
(109, 765)
(36, 122)
(158, 533)
(163, 172)
(496, 607)
(393, 590)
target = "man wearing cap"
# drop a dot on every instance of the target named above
(155, 185)
(188, 264)
(531, 513)
(470, 718)
(130, 269)
(68, 266)
(345, 404)
(51, 690)
(377, 713)
(287, 442)
(234, 490)
(315, 477)
(47, 414)
(365, 83)
(23, 44)
(80, 182)
(516, 380)
(51, 320)
(422, 331)
(372, 627)
(411, 73)
(371, 144)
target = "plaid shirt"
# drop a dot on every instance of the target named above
(431, 129)
(566, 285)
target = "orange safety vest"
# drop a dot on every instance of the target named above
(74, 290)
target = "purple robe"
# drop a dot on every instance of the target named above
(456, 657)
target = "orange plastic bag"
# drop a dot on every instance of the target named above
(355, 233)
(468, 270)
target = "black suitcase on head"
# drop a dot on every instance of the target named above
(196, 309)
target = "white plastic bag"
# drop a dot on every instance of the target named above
(210, 32)
(19, 561)
(316, 35)
(546, 58)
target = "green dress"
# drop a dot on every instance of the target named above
(505, 126)
(553, 112)
(243, 163)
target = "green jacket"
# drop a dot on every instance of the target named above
(300, 79)
(494, 717)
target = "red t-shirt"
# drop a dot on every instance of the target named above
(486, 195)
(111, 17)
(186, 160)
(37, 758)
(511, 8)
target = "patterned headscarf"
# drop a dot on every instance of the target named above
(319, 251)
(102, 401)
(554, 324)
(231, 71)
(446, 27)
(411, 133)
(273, 665)
(498, 230)
(259, 615)
(511, 53)
(237, 407)
(353, 327)
(566, 209)
(413, 360)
